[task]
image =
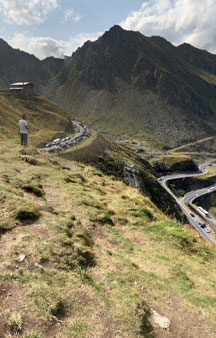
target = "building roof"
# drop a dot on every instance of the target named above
(20, 84)
(16, 88)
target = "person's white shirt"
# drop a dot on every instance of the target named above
(22, 125)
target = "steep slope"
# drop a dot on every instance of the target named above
(200, 59)
(46, 119)
(84, 255)
(18, 66)
(128, 83)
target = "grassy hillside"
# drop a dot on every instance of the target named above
(84, 255)
(174, 162)
(46, 119)
(206, 145)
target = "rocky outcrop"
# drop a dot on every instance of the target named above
(182, 166)
(135, 174)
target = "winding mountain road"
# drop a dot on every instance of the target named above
(81, 132)
(189, 198)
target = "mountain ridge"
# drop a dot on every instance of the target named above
(125, 77)
(125, 83)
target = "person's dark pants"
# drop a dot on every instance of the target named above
(24, 139)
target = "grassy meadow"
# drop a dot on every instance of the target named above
(84, 255)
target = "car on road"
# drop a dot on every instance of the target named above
(70, 143)
(48, 145)
(203, 225)
(192, 215)
(208, 230)
(65, 139)
(63, 145)
(56, 141)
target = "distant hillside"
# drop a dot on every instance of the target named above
(126, 83)
(18, 66)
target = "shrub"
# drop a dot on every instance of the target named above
(47, 299)
(15, 322)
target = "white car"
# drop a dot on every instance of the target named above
(56, 141)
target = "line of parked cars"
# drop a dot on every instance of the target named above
(60, 144)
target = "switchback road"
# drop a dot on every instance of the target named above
(189, 198)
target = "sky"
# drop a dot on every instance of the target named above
(58, 27)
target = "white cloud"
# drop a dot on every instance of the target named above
(70, 13)
(178, 21)
(43, 47)
(27, 12)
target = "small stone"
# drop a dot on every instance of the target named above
(38, 266)
(21, 258)
(161, 321)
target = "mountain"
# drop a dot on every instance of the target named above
(18, 66)
(126, 83)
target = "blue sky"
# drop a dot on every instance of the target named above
(59, 27)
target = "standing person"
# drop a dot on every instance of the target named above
(23, 130)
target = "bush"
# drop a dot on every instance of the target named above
(15, 322)
(47, 299)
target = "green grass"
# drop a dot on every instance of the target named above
(15, 322)
(77, 329)
(33, 334)
(106, 258)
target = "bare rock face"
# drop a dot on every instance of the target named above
(162, 321)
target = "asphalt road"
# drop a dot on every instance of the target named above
(81, 132)
(189, 198)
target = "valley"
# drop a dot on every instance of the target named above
(108, 216)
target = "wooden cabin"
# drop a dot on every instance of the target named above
(21, 87)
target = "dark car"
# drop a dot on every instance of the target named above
(192, 215)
